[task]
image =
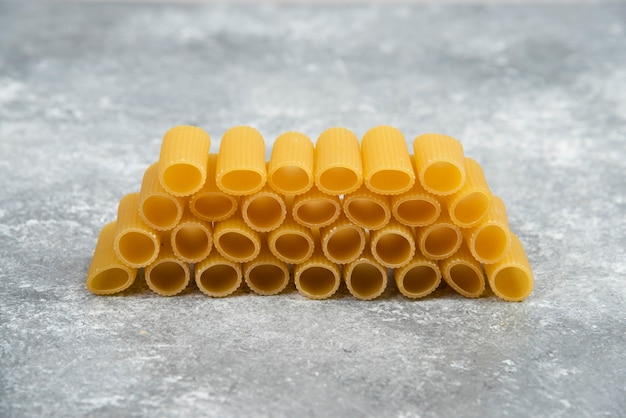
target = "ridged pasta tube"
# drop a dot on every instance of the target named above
(291, 242)
(317, 278)
(192, 239)
(418, 278)
(217, 276)
(136, 244)
(266, 274)
(367, 209)
(210, 203)
(291, 165)
(264, 210)
(315, 209)
(511, 278)
(157, 208)
(342, 241)
(490, 240)
(439, 163)
(463, 273)
(241, 167)
(167, 275)
(235, 240)
(338, 166)
(470, 204)
(393, 246)
(440, 239)
(365, 278)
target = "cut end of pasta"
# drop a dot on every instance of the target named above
(466, 279)
(368, 213)
(264, 212)
(491, 243)
(237, 247)
(167, 277)
(192, 242)
(317, 282)
(267, 279)
(389, 182)
(292, 247)
(316, 213)
(213, 206)
(417, 211)
(443, 177)
(136, 248)
(241, 182)
(182, 179)
(418, 280)
(392, 249)
(440, 241)
(470, 209)
(290, 180)
(338, 180)
(161, 212)
(111, 280)
(219, 279)
(366, 280)
(343, 245)
(512, 283)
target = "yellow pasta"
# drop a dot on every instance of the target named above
(136, 244)
(217, 276)
(365, 278)
(291, 165)
(266, 274)
(291, 242)
(183, 160)
(210, 203)
(264, 211)
(235, 240)
(241, 168)
(511, 278)
(342, 241)
(167, 275)
(367, 209)
(416, 207)
(157, 208)
(463, 273)
(470, 204)
(393, 246)
(490, 240)
(338, 167)
(439, 163)
(387, 168)
(419, 278)
(440, 239)
(315, 209)
(192, 239)
(317, 278)
(107, 274)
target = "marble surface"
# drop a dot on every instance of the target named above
(536, 93)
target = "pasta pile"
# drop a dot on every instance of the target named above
(316, 213)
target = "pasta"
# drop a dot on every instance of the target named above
(317, 278)
(183, 160)
(511, 278)
(419, 278)
(235, 240)
(263, 211)
(365, 278)
(107, 274)
(266, 274)
(291, 242)
(393, 246)
(440, 239)
(192, 239)
(463, 273)
(490, 240)
(367, 209)
(315, 209)
(342, 242)
(387, 168)
(217, 276)
(338, 167)
(470, 204)
(290, 170)
(210, 203)
(241, 168)
(439, 163)
(167, 275)
(136, 244)
(157, 208)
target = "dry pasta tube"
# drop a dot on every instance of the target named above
(183, 160)
(439, 163)
(241, 168)
(315, 209)
(419, 278)
(463, 273)
(387, 168)
(136, 244)
(317, 278)
(266, 274)
(367, 209)
(264, 211)
(393, 246)
(440, 239)
(490, 240)
(365, 278)
(235, 240)
(470, 204)
(217, 276)
(342, 241)
(210, 203)
(338, 167)
(157, 208)
(416, 207)
(291, 242)
(291, 165)
(107, 274)
(511, 278)
(167, 275)
(192, 239)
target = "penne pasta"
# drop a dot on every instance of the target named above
(315, 209)
(440, 239)
(367, 209)
(416, 207)
(291, 165)
(338, 167)
(291, 242)
(263, 211)
(470, 204)
(511, 278)
(387, 168)
(393, 246)
(463, 273)
(217, 276)
(490, 240)
(136, 244)
(183, 160)
(107, 274)
(210, 203)
(167, 275)
(241, 167)
(419, 278)
(365, 278)
(342, 241)
(317, 278)
(439, 163)
(266, 274)
(192, 239)
(235, 240)
(157, 208)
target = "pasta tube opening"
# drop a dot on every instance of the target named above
(490, 240)
(418, 279)
(367, 209)
(136, 248)
(192, 242)
(136, 244)
(342, 242)
(264, 211)
(213, 206)
(317, 278)
(167, 277)
(266, 275)
(241, 167)
(110, 280)
(440, 239)
(365, 278)
(182, 178)
(291, 242)
(511, 278)
(161, 212)
(218, 277)
(290, 170)
(440, 163)
(463, 273)
(315, 209)
(236, 246)
(417, 211)
(393, 246)
(470, 204)
(338, 166)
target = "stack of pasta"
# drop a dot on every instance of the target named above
(317, 213)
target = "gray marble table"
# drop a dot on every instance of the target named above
(536, 93)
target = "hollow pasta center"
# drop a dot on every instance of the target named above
(419, 280)
(367, 212)
(317, 211)
(265, 212)
(466, 278)
(390, 181)
(182, 178)
(241, 181)
(512, 282)
(110, 280)
(237, 246)
(214, 206)
(168, 277)
(293, 247)
(443, 177)
(338, 179)
(393, 249)
(161, 211)
(267, 278)
(290, 179)
(137, 248)
(490, 242)
(318, 281)
(192, 242)
(441, 241)
(344, 244)
(219, 279)
(417, 211)
(471, 208)
(367, 280)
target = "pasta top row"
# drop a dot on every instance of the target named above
(337, 164)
